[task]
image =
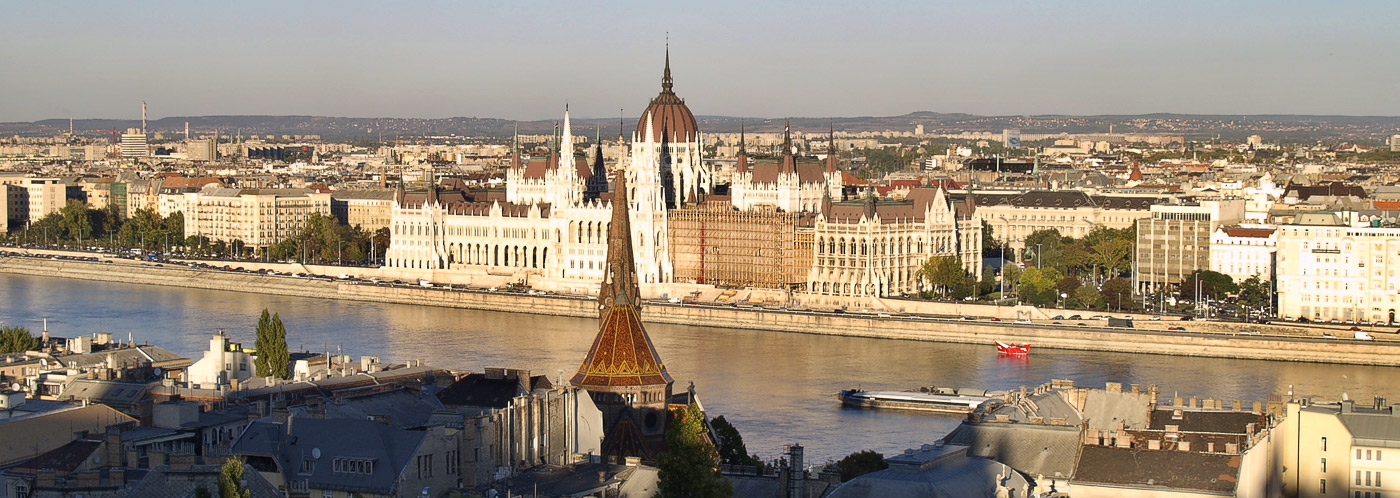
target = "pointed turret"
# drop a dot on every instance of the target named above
(789, 162)
(831, 152)
(399, 193)
(515, 148)
(742, 165)
(432, 198)
(620, 279)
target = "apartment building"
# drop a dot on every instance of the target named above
(46, 195)
(1347, 449)
(1013, 216)
(1327, 270)
(370, 210)
(257, 217)
(1175, 240)
(1243, 251)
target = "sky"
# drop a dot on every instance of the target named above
(521, 59)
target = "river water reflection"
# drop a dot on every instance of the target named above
(775, 387)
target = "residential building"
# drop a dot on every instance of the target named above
(1175, 240)
(133, 143)
(370, 210)
(46, 195)
(308, 456)
(1327, 270)
(1349, 449)
(202, 150)
(1013, 216)
(223, 364)
(14, 202)
(170, 190)
(256, 217)
(1243, 251)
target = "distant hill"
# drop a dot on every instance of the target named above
(1296, 127)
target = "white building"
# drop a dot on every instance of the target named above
(1243, 251)
(874, 248)
(788, 185)
(256, 217)
(223, 364)
(133, 143)
(46, 195)
(1330, 271)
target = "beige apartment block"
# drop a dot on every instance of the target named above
(1013, 216)
(257, 217)
(1347, 449)
(369, 209)
(1327, 271)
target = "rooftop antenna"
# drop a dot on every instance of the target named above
(143, 117)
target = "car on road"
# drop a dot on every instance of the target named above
(1354, 329)
(1075, 317)
(1058, 317)
(1249, 332)
(994, 319)
(1155, 318)
(1328, 335)
(1186, 318)
(967, 319)
(1023, 321)
(1056, 323)
(1177, 329)
(1080, 324)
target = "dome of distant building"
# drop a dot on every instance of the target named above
(672, 121)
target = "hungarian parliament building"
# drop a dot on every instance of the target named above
(788, 224)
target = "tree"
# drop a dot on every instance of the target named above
(1110, 250)
(1086, 297)
(202, 492)
(1212, 285)
(860, 463)
(1068, 285)
(731, 445)
(990, 247)
(1038, 285)
(1047, 242)
(271, 344)
(690, 465)
(231, 480)
(1118, 292)
(943, 273)
(17, 340)
(989, 281)
(1256, 293)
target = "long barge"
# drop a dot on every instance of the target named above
(910, 400)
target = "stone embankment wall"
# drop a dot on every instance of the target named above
(1207, 340)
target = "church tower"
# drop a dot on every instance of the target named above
(622, 370)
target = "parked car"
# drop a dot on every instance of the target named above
(1075, 317)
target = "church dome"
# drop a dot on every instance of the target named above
(671, 119)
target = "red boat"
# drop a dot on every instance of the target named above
(1013, 349)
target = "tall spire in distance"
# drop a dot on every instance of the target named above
(742, 164)
(789, 162)
(831, 149)
(515, 148)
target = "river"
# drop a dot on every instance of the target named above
(775, 387)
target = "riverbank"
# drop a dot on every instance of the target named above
(1206, 340)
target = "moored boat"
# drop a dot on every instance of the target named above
(908, 400)
(1013, 349)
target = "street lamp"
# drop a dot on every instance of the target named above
(1037, 255)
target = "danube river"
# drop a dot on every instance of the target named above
(775, 387)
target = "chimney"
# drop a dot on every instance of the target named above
(1379, 403)
(1232, 448)
(1154, 444)
(1177, 401)
(1123, 441)
(1210, 447)
(117, 477)
(1195, 403)
(1237, 405)
(114, 446)
(45, 478)
(1114, 387)
(1348, 406)
(1183, 445)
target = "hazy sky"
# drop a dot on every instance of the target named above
(522, 60)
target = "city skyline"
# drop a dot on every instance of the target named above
(729, 60)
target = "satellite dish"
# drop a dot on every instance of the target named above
(156, 371)
(315, 453)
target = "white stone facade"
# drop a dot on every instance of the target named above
(1243, 251)
(1338, 272)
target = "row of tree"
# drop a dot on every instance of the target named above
(17, 340)
(323, 239)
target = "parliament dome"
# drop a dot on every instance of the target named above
(671, 119)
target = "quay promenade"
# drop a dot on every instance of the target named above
(1204, 339)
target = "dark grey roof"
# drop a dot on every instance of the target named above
(1207, 421)
(400, 408)
(959, 476)
(1032, 449)
(300, 437)
(1158, 469)
(164, 482)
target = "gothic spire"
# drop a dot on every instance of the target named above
(789, 162)
(515, 148)
(620, 280)
(831, 160)
(666, 77)
(742, 165)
